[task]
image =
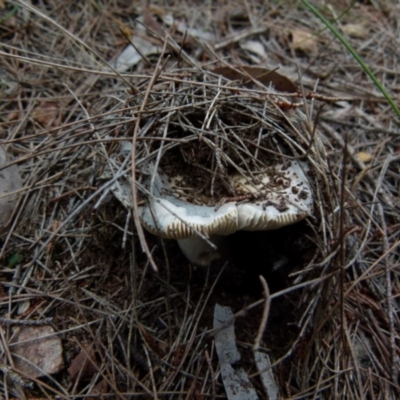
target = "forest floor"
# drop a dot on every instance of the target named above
(72, 267)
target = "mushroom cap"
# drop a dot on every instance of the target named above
(278, 196)
(219, 159)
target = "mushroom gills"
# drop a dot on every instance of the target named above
(273, 198)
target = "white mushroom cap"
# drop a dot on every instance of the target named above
(172, 218)
(277, 197)
(283, 197)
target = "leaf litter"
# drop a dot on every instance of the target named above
(332, 325)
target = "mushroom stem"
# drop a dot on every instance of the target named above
(199, 252)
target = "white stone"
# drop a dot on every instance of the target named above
(36, 350)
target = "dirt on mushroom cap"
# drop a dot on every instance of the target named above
(212, 131)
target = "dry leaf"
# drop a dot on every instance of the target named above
(46, 113)
(10, 180)
(255, 47)
(364, 157)
(23, 307)
(186, 30)
(36, 350)
(263, 75)
(303, 40)
(130, 56)
(84, 364)
(12, 115)
(355, 30)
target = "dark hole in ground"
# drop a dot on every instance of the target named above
(272, 254)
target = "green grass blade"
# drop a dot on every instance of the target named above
(9, 15)
(354, 54)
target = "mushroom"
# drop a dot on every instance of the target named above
(277, 196)
(219, 159)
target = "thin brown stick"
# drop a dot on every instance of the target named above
(136, 217)
(264, 318)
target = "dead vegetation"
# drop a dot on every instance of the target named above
(73, 256)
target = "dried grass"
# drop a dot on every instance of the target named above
(331, 333)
